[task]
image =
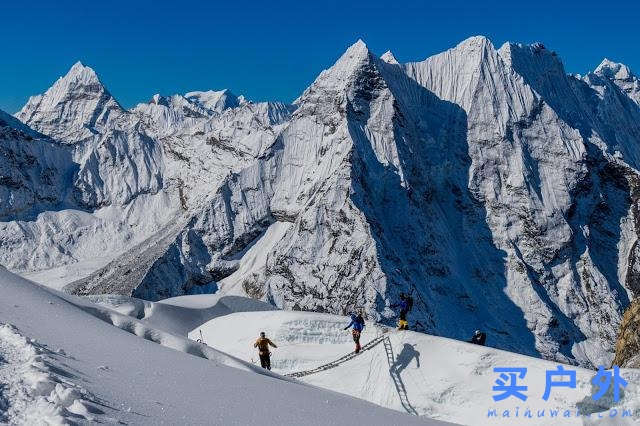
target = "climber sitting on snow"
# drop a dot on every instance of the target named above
(405, 305)
(478, 338)
(357, 322)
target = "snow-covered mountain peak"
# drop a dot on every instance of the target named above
(614, 70)
(389, 58)
(354, 56)
(165, 115)
(79, 80)
(542, 70)
(213, 100)
(358, 45)
(621, 76)
(536, 54)
(454, 74)
(81, 73)
(336, 78)
(76, 107)
(158, 99)
(475, 43)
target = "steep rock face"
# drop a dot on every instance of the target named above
(326, 261)
(75, 108)
(628, 343)
(116, 168)
(224, 142)
(610, 119)
(32, 168)
(205, 249)
(224, 214)
(304, 159)
(10, 122)
(554, 199)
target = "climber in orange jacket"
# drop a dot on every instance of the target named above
(263, 350)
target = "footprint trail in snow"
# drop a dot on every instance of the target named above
(30, 391)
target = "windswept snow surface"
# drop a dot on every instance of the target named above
(413, 372)
(305, 340)
(62, 361)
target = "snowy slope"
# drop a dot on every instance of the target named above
(411, 372)
(62, 361)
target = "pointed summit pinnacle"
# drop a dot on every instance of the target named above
(73, 109)
(389, 58)
(81, 73)
(357, 49)
(77, 66)
(356, 53)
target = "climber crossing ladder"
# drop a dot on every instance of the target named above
(341, 360)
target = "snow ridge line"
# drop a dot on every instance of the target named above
(341, 360)
(173, 341)
(30, 391)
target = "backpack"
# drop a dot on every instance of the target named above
(360, 319)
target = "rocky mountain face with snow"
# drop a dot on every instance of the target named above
(628, 343)
(621, 76)
(498, 189)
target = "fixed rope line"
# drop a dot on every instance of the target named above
(337, 362)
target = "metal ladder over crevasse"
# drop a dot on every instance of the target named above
(341, 360)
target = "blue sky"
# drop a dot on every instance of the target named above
(272, 50)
